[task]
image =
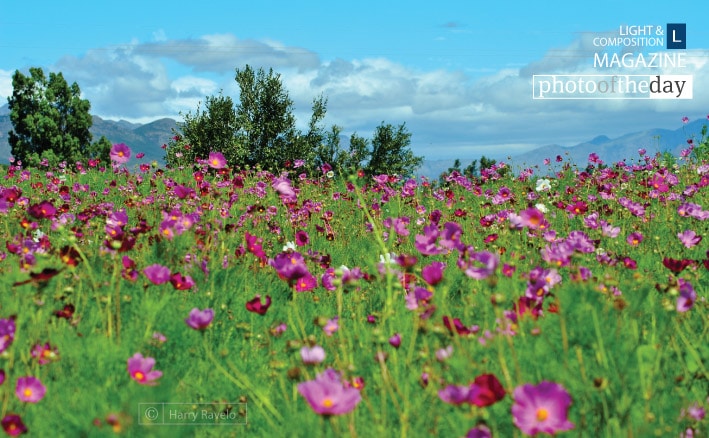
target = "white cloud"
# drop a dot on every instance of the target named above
(446, 111)
(5, 85)
(223, 52)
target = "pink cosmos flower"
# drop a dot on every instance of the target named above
(479, 265)
(689, 238)
(312, 355)
(216, 160)
(30, 389)
(7, 333)
(256, 306)
(120, 153)
(541, 409)
(181, 282)
(45, 353)
(328, 395)
(331, 326)
(12, 425)
(141, 369)
(200, 319)
(531, 218)
(687, 296)
(157, 274)
(283, 187)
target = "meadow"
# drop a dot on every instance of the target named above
(210, 301)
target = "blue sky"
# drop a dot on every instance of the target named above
(459, 73)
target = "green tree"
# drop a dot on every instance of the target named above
(204, 131)
(390, 152)
(472, 169)
(50, 119)
(265, 118)
(486, 163)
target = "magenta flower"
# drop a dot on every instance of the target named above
(301, 238)
(433, 273)
(256, 306)
(331, 326)
(455, 394)
(687, 296)
(541, 409)
(480, 431)
(157, 274)
(2, 377)
(426, 243)
(216, 160)
(306, 283)
(43, 210)
(312, 355)
(531, 218)
(12, 425)
(200, 319)
(141, 369)
(45, 353)
(489, 390)
(120, 153)
(7, 333)
(634, 239)
(395, 340)
(327, 395)
(689, 238)
(283, 187)
(289, 266)
(30, 389)
(479, 265)
(181, 282)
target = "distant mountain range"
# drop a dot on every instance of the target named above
(148, 138)
(610, 150)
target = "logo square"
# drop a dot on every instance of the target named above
(676, 36)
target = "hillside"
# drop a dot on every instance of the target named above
(147, 138)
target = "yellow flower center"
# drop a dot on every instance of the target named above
(139, 376)
(27, 392)
(327, 402)
(542, 414)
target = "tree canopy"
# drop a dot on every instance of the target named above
(260, 130)
(50, 120)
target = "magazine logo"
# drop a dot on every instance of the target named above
(635, 49)
(676, 36)
(612, 87)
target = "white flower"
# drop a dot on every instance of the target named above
(37, 235)
(387, 258)
(543, 185)
(289, 245)
(541, 207)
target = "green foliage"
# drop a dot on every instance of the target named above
(265, 119)
(632, 363)
(50, 120)
(211, 129)
(390, 152)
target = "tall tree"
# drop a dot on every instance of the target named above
(49, 118)
(265, 118)
(211, 129)
(391, 153)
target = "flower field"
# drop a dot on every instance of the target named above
(209, 301)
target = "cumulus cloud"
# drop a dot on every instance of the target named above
(450, 112)
(5, 86)
(223, 52)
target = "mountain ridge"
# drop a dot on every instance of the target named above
(149, 137)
